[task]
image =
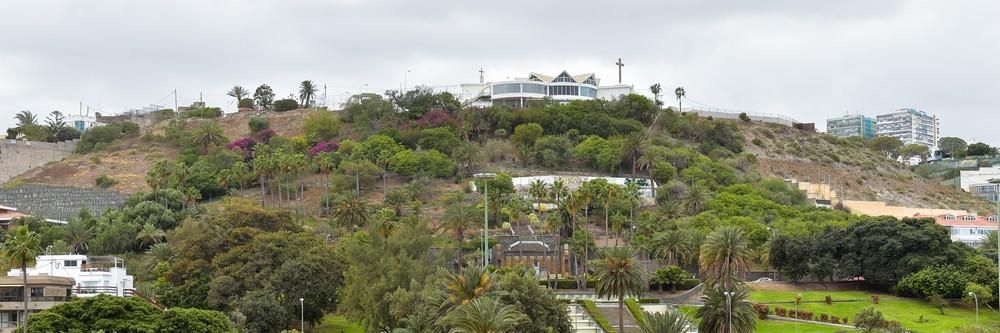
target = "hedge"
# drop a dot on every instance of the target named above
(566, 283)
(635, 310)
(649, 301)
(688, 284)
(591, 309)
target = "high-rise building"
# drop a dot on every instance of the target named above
(851, 125)
(909, 126)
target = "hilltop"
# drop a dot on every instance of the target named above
(856, 172)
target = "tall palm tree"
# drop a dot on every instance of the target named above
(618, 275)
(209, 134)
(714, 314)
(77, 234)
(306, 93)
(20, 249)
(608, 197)
(458, 219)
(467, 157)
(680, 93)
(669, 321)
(631, 192)
(632, 149)
(558, 189)
(26, 118)
(672, 245)
(725, 256)
(538, 191)
(655, 89)
(468, 285)
(351, 210)
(484, 315)
(238, 92)
(695, 199)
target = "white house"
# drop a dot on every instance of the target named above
(94, 275)
(968, 229)
(518, 92)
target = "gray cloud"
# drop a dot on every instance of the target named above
(808, 60)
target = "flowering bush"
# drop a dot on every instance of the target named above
(324, 147)
(264, 136)
(435, 118)
(242, 145)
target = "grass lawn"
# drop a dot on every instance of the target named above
(905, 310)
(337, 324)
(775, 326)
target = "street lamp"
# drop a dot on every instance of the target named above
(795, 308)
(486, 177)
(302, 314)
(729, 305)
(976, 299)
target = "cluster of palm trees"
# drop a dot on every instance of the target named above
(725, 256)
(263, 95)
(468, 306)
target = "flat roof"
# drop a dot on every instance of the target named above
(16, 281)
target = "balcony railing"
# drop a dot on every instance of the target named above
(100, 290)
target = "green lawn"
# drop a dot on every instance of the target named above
(905, 310)
(775, 326)
(337, 324)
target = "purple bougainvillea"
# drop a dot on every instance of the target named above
(264, 136)
(324, 147)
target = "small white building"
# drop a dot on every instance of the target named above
(94, 275)
(968, 229)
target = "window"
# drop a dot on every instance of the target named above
(531, 88)
(969, 218)
(37, 292)
(534, 78)
(588, 91)
(949, 217)
(590, 81)
(69, 263)
(506, 88)
(564, 77)
(992, 218)
(564, 90)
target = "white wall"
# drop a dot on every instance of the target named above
(981, 176)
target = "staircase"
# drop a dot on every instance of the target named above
(580, 321)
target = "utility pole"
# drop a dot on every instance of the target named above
(619, 64)
(482, 78)
(177, 112)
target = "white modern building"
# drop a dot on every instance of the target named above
(909, 126)
(82, 123)
(519, 92)
(93, 275)
(968, 229)
(984, 175)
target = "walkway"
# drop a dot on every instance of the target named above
(580, 321)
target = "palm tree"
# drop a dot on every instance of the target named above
(467, 157)
(618, 275)
(20, 249)
(715, 313)
(484, 315)
(158, 253)
(679, 92)
(607, 198)
(26, 118)
(669, 321)
(655, 89)
(580, 245)
(672, 245)
(631, 192)
(77, 234)
(695, 200)
(209, 134)
(149, 235)
(465, 287)
(238, 93)
(351, 210)
(458, 219)
(538, 191)
(558, 189)
(306, 93)
(725, 256)
(632, 148)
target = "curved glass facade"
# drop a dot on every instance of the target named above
(507, 88)
(530, 88)
(588, 91)
(564, 90)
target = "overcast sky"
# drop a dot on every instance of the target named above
(809, 60)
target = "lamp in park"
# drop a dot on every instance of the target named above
(302, 314)
(486, 177)
(729, 309)
(975, 299)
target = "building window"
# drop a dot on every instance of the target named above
(37, 292)
(69, 263)
(564, 90)
(949, 217)
(590, 81)
(564, 77)
(992, 218)
(506, 88)
(969, 217)
(530, 88)
(588, 91)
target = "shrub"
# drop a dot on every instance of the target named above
(320, 126)
(649, 301)
(207, 113)
(323, 147)
(757, 142)
(762, 311)
(824, 317)
(829, 300)
(105, 181)
(596, 314)
(426, 162)
(635, 310)
(688, 284)
(246, 103)
(283, 105)
(258, 124)
(780, 311)
(835, 320)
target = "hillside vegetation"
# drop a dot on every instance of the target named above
(857, 172)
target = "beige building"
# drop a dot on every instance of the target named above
(44, 292)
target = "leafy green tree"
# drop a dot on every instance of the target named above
(714, 315)
(945, 281)
(238, 93)
(952, 145)
(618, 275)
(725, 256)
(484, 315)
(195, 321)
(375, 146)
(545, 313)
(526, 134)
(914, 150)
(672, 275)
(320, 126)
(426, 162)
(307, 91)
(983, 294)
(105, 313)
(19, 250)
(552, 151)
(441, 139)
(263, 96)
(286, 104)
(263, 312)
(980, 149)
(669, 321)
(869, 320)
(887, 145)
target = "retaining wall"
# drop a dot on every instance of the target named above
(18, 156)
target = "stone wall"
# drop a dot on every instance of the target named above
(17, 156)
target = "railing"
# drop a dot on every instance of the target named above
(35, 299)
(101, 290)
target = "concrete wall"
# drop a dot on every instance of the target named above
(878, 208)
(17, 157)
(756, 117)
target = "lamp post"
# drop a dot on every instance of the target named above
(404, 81)
(486, 177)
(975, 299)
(795, 308)
(729, 308)
(302, 314)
